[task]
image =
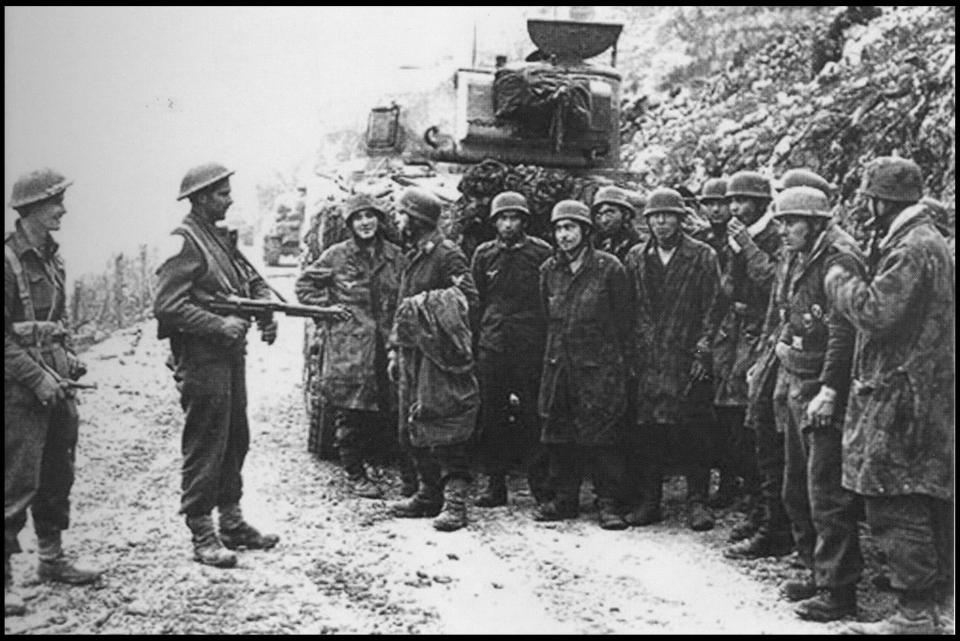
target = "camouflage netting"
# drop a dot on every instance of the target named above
(892, 91)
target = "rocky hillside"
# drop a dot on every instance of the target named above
(828, 94)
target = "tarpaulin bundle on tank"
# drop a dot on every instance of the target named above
(542, 101)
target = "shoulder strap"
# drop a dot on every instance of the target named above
(23, 288)
(207, 257)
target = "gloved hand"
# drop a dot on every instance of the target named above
(235, 328)
(393, 366)
(820, 409)
(268, 331)
(342, 312)
(50, 391)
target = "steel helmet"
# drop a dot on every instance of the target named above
(892, 178)
(713, 189)
(202, 176)
(664, 199)
(615, 196)
(37, 186)
(802, 201)
(420, 203)
(749, 183)
(509, 201)
(806, 178)
(359, 202)
(571, 210)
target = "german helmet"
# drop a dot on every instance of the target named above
(749, 183)
(420, 203)
(665, 200)
(805, 178)
(614, 195)
(892, 178)
(508, 201)
(713, 189)
(802, 201)
(571, 210)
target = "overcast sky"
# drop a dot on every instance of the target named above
(124, 100)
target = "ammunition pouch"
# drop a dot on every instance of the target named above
(45, 342)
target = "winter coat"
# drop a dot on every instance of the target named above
(439, 394)
(367, 283)
(583, 387)
(511, 317)
(673, 305)
(899, 428)
(739, 315)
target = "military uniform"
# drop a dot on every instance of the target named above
(899, 429)
(583, 388)
(210, 368)
(815, 348)
(510, 355)
(674, 303)
(435, 264)
(353, 378)
(39, 440)
(620, 243)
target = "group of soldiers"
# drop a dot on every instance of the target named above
(815, 376)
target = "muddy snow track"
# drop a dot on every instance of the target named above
(344, 566)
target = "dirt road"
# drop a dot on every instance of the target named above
(344, 566)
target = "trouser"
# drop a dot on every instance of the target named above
(437, 465)
(511, 434)
(737, 448)
(570, 462)
(917, 534)
(823, 515)
(216, 435)
(39, 450)
(659, 448)
(770, 464)
(361, 437)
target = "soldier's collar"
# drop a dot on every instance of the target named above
(20, 243)
(517, 245)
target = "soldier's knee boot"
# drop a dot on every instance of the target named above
(453, 516)
(207, 547)
(235, 532)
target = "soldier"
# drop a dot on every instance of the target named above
(898, 440)
(752, 248)
(510, 354)
(208, 358)
(39, 409)
(612, 215)
(674, 279)
(815, 349)
(585, 298)
(736, 455)
(361, 273)
(438, 444)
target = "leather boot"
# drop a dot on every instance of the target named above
(916, 614)
(644, 514)
(236, 533)
(610, 517)
(698, 517)
(799, 590)
(364, 488)
(495, 493)
(760, 545)
(54, 565)
(13, 604)
(427, 501)
(830, 605)
(207, 547)
(453, 516)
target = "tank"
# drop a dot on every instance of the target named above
(283, 236)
